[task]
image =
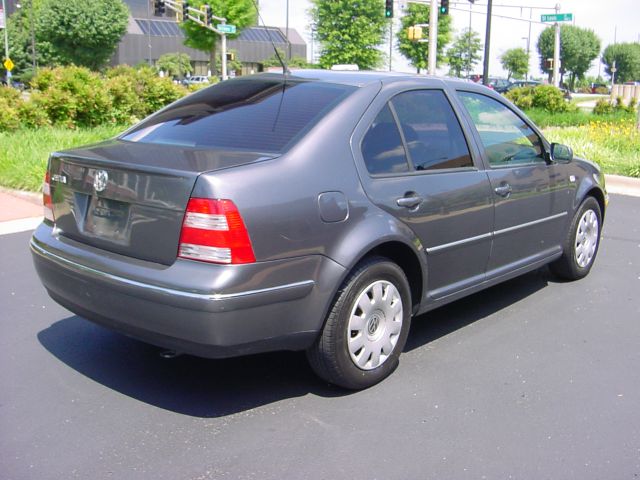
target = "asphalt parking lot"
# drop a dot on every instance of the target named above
(531, 379)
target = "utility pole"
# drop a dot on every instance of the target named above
(556, 51)
(433, 36)
(487, 46)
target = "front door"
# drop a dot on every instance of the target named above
(527, 225)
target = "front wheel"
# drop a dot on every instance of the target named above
(367, 327)
(581, 243)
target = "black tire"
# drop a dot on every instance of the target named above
(330, 356)
(568, 266)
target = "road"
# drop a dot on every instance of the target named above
(531, 379)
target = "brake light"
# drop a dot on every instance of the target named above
(213, 231)
(46, 198)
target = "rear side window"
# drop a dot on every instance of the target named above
(382, 147)
(248, 114)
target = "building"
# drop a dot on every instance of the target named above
(148, 37)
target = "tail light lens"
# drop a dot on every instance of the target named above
(213, 231)
(46, 198)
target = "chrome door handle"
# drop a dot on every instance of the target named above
(409, 202)
(503, 190)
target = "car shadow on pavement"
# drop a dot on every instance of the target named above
(208, 388)
(465, 311)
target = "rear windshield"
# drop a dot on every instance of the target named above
(263, 115)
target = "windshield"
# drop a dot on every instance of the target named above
(264, 115)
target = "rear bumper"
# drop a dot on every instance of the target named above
(203, 309)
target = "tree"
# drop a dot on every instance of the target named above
(516, 62)
(293, 62)
(578, 48)
(82, 32)
(23, 40)
(175, 64)
(417, 52)
(240, 13)
(349, 31)
(627, 58)
(464, 53)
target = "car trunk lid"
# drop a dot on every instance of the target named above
(130, 198)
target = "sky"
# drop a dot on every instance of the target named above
(611, 20)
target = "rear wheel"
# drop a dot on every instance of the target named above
(367, 327)
(581, 243)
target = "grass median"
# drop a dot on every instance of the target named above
(613, 143)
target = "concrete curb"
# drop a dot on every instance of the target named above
(623, 185)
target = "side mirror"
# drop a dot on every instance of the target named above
(561, 153)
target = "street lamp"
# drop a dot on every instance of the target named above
(526, 75)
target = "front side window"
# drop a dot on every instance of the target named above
(506, 138)
(431, 130)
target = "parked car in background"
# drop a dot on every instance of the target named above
(632, 83)
(316, 211)
(602, 88)
(500, 85)
(196, 80)
(523, 83)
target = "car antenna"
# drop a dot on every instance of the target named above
(285, 68)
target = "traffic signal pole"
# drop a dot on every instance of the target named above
(556, 51)
(182, 6)
(433, 36)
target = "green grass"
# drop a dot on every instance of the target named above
(615, 146)
(544, 119)
(24, 153)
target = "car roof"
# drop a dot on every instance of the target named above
(361, 78)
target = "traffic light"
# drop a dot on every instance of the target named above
(444, 7)
(159, 7)
(388, 9)
(208, 15)
(185, 10)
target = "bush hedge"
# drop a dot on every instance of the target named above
(77, 97)
(546, 97)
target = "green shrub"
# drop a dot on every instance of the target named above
(546, 97)
(550, 98)
(73, 96)
(32, 116)
(631, 106)
(11, 95)
(8, 116)
(522, 97)
(603, 107)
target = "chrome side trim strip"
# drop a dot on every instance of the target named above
(529, 224)
(457, 243)
(216, 297)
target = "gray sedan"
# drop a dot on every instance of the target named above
(315, 211)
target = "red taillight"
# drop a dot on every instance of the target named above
(213, 231)
(46, 198)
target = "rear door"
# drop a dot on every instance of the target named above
(420, 169)
(529, 216)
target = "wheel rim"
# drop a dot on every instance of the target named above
(374, 325)
(586, 238)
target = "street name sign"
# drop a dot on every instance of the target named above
(224, 28)
(556, 17)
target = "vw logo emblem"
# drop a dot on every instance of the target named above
(373, 325)
(100, 180)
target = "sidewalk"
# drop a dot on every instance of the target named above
(22, 211)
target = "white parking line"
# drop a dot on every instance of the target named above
(21, 225)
